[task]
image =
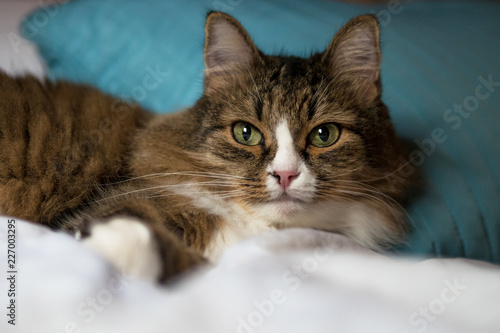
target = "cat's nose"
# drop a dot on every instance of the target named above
(285, 178)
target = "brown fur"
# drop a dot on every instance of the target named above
(72, 156)
(58, 142)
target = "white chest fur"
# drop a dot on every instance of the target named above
(237, 224)
(231, 233)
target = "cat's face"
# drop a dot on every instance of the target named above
(305, 136)
(289, 135)
(291, 141)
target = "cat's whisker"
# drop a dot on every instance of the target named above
(216, 194)
(127, 193)
(395, 207)
(181, 173)
(325, 90)
(336, 198)
(167, 188)
(230, 195)
(385, 176)
(350, 171)
(373, 189)
(254, 83)
(192, 173)
(353, 195)
(356, 185)
(213, 174)
(226, 194)
(191, 184)
(363, 186)
(234, 194)
(389, 198)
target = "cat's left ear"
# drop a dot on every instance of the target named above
(228, 51)
(354, 58)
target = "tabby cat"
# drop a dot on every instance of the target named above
(274, 142)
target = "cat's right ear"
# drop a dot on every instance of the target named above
(354, 57)
(228, 51)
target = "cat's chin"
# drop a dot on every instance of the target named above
(281, 209)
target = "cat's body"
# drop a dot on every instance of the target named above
(274, 142)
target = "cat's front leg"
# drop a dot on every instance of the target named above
(128, 244)
(140, 249)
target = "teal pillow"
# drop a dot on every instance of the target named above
(440, 72)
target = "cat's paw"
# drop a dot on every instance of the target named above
(128, 244)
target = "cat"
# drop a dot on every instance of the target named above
(274, 142)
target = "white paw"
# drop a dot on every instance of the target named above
(128, 244)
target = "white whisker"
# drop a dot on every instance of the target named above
(181, 173)
(254, 84)
(168, 187)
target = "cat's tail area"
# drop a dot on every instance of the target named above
(59, 143)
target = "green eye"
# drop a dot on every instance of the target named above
(324, 135)
(246, 134)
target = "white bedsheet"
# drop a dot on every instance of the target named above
(289, 281)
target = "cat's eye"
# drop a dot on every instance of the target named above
(246, 134)
(324, 135)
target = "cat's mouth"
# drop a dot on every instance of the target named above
(286, 205)
(285, 198)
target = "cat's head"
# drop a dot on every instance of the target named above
(303, 142)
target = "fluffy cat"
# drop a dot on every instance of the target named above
(274, 142)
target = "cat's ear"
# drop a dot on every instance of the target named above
(354, 57)
(228, 52)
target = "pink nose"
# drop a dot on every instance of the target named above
(285, 178)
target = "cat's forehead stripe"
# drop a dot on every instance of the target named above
(283, 135)
(259, 107)
(286, 157)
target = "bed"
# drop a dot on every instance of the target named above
(443, 279)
